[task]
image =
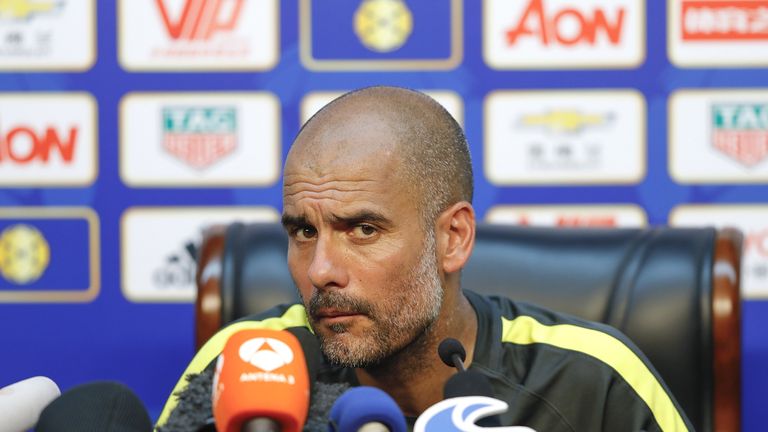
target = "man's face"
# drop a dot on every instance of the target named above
(365, 269)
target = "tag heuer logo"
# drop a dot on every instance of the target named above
(741, 131)
(200, 136)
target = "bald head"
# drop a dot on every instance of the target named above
(415, 135)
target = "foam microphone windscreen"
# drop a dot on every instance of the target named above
(99, 406)
(361, 407)
(22, 402)
(261, 376)
(452, 353)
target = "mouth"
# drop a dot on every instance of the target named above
(331, 316)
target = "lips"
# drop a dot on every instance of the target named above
(333, 317)
(333, 313)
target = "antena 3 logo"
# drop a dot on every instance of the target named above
(47, 139)
(267, 354)
(564, 33)
(198, 34)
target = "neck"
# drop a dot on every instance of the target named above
(415, 376)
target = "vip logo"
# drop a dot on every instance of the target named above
(383, 25)
(25, 10)
(741, 131)
(266, 354)
(23, 144)
(568, 26)
(201, 19)
(24, 254)
(200, 136)
(724, 20)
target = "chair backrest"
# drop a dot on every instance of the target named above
(673, 291)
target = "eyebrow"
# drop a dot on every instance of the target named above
(361, 217)
(293, 221)
(353, 219)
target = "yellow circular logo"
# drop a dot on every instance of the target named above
(24, 254)
(383, 25)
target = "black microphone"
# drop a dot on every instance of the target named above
(452, 353)
(465, 382)
(99, 406)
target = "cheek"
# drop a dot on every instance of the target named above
(298, 266)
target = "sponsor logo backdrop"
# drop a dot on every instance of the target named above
(144, 120)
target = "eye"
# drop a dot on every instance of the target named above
(304, 233)
(364, 231)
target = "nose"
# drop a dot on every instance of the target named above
(327, 269)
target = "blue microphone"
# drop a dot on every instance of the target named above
(366, 409)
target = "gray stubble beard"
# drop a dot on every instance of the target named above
(400, 322)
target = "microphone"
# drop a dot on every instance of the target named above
(465, 382)
(22, 402)
(452, 353)
(100, 406)
(261, 383)
(463, 414)
(367, 409)
(469, 405)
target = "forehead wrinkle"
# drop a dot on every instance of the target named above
(315, 186)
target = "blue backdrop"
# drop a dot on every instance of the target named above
(147, 345)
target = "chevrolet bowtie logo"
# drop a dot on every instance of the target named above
(564, 121)
(25, 9)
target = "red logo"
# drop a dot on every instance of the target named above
(724, 20)
(568, 26)
(200, 136)
(586, 221)
(576, 221)
(757, 241)
(200, 19)
(23, 144)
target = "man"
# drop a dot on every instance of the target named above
(377, 198)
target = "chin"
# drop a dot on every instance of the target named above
(346, 349)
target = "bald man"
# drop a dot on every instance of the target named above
(377, 199)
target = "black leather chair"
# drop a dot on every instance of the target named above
(673, 291)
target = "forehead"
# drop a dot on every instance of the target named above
(341, 166)
(351, 142)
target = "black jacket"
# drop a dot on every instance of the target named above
(556, 372)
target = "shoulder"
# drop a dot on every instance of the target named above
(277, 318)
(572, 363)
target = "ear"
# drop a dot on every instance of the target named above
(455, 230)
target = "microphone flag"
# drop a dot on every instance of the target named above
(261, 374)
